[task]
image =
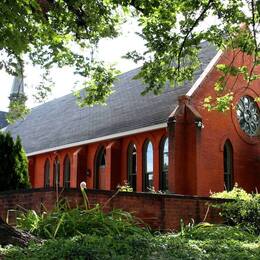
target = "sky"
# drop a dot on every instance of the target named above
(110, 50)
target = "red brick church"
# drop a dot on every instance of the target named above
(167, 142)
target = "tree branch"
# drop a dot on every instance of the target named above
(189, 32)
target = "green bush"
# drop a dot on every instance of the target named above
(92, 234)
(201, 242)
(64, 222)
(207, 231)
(13, 164)
(85, 247)
(207, 241)
(243, 209)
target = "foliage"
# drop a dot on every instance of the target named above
(205, 231)
(202, 242)
(13, 164)
(67, 33)
(221, 103)
(207, 241)
(65, 222)
(86, 247)
(125, 188)
(17, 109)
(243, 210)
(92, 234)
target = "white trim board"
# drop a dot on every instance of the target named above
(103, 138)
(204, 74)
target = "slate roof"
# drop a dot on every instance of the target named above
(61, 122)
(3, 122)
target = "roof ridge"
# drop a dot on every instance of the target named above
(60, 121)
(71, 94)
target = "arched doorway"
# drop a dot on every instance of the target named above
(100, 169)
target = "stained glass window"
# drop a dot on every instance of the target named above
(248, 115)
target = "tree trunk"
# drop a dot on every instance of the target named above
(12, 236)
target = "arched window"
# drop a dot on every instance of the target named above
(47, 174)
(66, 172)
(102, 158)
(164, 163)
(148, 166)
(100, 165)
(228, 165)
(56, 173)
(132, 168)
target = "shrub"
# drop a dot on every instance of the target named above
(13, 164)
(85, 247)
(64, 222)
(207, 241)
(243, 209)
(92, 234)
(201, 242)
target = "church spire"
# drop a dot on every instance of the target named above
(17, 88)
(17, 91)
(17, 106)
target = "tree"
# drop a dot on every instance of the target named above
(13, 164)
(52, 32)
(13, 175)
(12, 236)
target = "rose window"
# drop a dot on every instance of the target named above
(248, 115)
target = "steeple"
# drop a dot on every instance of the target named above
(17, 106)
(17, 90)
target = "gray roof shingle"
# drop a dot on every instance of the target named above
(61, 121)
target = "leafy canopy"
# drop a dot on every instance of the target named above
(67, 32)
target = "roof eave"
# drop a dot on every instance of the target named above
(100, 139)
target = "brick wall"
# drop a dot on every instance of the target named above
(159, 211)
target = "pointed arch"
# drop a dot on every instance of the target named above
(56, 173)
(164, 163)
(131, 165)
(46, 174)
(147, 165)
(100, 165)
(66, 172)
(228, 165)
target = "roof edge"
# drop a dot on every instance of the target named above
(99, 139)
(203, 75)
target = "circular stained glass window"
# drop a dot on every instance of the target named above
(248, 115)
